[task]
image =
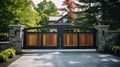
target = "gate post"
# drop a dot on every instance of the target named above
(102, 31)
(16, 36)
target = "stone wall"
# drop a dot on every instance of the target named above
(102, 32)
(4, 45)
(106, 36)
(16, 36)
(113, 37)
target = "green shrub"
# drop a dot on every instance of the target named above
(9, 52)
(12, 52)
(3, 57)
(118, 51)
(16, 49)
(115, 49)
(108, 48)
(112, 49)
(6, 54)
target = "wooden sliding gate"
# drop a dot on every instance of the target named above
(59, 37)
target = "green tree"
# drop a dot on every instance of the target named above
(46, 9)
(107, 10)
(44, 20)
(87, 17)
(5, 15)
(110, 12)
(17, 10)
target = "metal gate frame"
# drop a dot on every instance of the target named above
(60, 37)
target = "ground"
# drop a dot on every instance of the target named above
(71, 58)
(11, 60)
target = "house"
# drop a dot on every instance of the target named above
(59, 20)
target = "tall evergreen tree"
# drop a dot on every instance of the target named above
(95, 10)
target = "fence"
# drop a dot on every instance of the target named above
(4, 40)
(4, 36)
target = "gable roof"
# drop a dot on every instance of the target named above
(56, 18)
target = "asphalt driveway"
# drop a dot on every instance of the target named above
(66, 59)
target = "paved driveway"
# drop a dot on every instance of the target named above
(66, 59)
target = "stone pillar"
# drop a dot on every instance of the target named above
(102, 31)
(16, 36)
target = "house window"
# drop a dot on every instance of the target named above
(65, 20)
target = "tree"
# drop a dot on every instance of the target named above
(44, 20)
(87, 17)
(70, 10)
(110, 12)
(17, 10)
(106, 10)
(5, 15)
(48, 8)
(92, 11)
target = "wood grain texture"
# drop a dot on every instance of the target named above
(33, 39)
(86, 39)
(49, 39)
(70, 40)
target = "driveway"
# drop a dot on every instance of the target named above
(66, 59)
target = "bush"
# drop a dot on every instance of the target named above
(6, 54)
(12, 52)
(16, 50)
(112, 49)
(3, 57)
(9, 52)
(108, 48)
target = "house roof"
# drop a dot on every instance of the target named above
(56, 18)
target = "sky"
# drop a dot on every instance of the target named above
(58, 3)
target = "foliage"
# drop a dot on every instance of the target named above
(95, 10)
(17, 10)
(87, 17)
(6, 54)
(48, 8)
(112, 49)
(44, 20)
(9, 52)
(110, 12)
(3, 57)
(17, 50)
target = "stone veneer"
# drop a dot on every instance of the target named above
(102, 32)
(16, 36)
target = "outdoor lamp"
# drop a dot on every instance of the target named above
(16, 22)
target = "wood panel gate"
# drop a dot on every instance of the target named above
(59, 37)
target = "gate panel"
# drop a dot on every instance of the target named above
(70, 40)
(49, 39)
(59, 37)
(86, 39)
(33, 39)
